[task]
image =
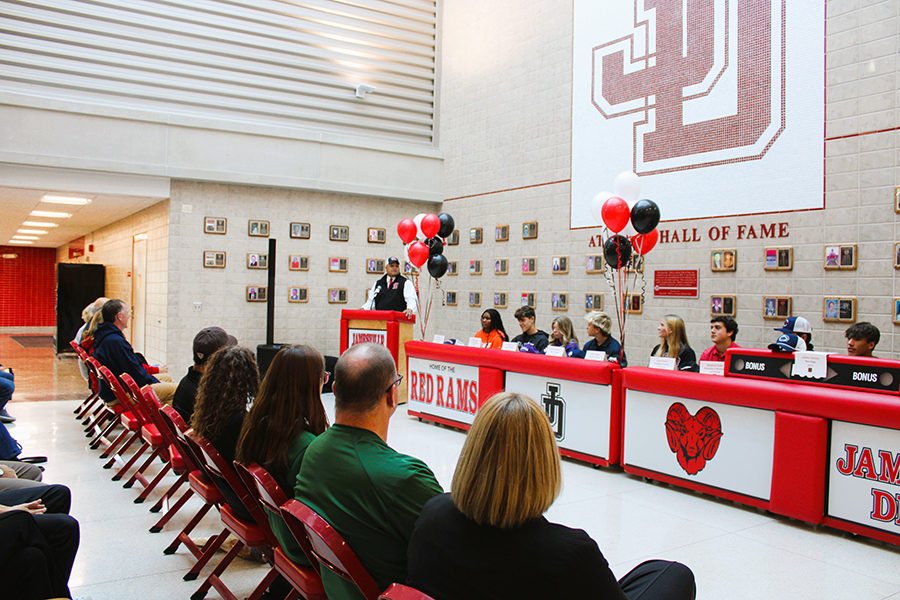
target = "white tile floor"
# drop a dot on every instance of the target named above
(736, 553)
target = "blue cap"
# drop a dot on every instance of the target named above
(789, 342)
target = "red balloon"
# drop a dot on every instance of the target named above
(644, 243)
(407, 230)
(430, 225)
(418, 254)
(616, 214)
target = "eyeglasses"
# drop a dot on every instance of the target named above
(396, 383)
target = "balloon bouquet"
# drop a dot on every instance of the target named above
(424, 237)
(630, 234)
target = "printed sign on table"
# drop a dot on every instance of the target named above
(367, 336)
(579, 412)
(725, 446)
(446, 390)
(864, 475)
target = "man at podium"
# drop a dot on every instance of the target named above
(393, 291)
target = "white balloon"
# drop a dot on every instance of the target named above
(627, 186)
(597, 206)
(418, 221)
(629, 229)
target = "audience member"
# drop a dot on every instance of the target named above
(206, 342)
(862, 338)
(370, 493)
(114, 352)
(562, 333)
(723, 331)
(599, 326)
(229, 383)
(286, 417)
(488, 538)
(7, 387)
(492, 332)
(675, 344)
(87, 315)
(531, 339)
(15, 475)
(799, 326)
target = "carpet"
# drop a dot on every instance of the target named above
(34, 341)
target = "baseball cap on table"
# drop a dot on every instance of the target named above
(393, 259)
(795, 325)
(788, 342)
(208, 340)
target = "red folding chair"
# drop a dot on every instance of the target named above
(306, 580)
(172, 454)
(253, 534)
(89, 404)
(397, 591)
(101, 424)
(131, 420)
(328, 546)
(151, 434)
(199, 483)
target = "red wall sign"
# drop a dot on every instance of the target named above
(676, 283)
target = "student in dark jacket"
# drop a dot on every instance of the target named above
(674, 344)
(206, 342)
(599, 326)
(531, 339)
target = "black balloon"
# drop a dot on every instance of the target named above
(617, 251)
(437, 265)
(447, 225)
(644, 216)
(435, 246)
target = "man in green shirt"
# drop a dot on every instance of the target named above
(370, 493)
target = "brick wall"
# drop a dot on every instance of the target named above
(27, 287)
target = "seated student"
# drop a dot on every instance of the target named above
(206, 342)
(562, 333)
(862, 338)
(599, 326)
(799, 326)
(531, 339)
(286, 416)
(675, 344)
(488, 538)
(723, 331)
(492, 332)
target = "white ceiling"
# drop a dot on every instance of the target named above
(16, 205)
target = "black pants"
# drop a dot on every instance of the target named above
(659, 580)
(36, 554)
(57, 498)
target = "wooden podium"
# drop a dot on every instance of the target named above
(389, 328)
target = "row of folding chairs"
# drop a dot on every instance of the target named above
(157, 432)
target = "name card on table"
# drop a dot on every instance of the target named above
(555, 351)
(810, 364)
(475, 342)
(438, 339)
(712, 367)
(513, 346)
(594, 355)
(659, 362)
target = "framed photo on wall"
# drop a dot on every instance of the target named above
(897, 256)
(633, 304)
(300, 231)
(721, 305)
(376, 235)
(453, 267)
(896, 316)
(258, 260)
(451, 298)
(337, 295)
(258, 228)
(501, 266)
(839, 309)
(528, 299)
(337, 264)
(636, 264)
(723, 260)
(298, 294)
(529, 230)
(595, 263)
(529, 266)
(779, 258)
(840, 257)
(213, 259)
(560, 265)
(453, 238)
(501, 233)
(475, 235)
(474, 267)
(499, 299)
(257, 293)
(593, 302)
(474, 298)
(339, 233)
(375, 265)
(776, 307)
(559, 301)
(298, 262)
(217, 225)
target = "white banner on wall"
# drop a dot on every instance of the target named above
(864, 475)
(367, 336)
(718, 106)
(579, 412)
(725, 446)
(446, 390)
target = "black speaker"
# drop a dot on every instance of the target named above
(77, 285)
(265, 354)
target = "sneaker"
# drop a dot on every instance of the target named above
(5, 417)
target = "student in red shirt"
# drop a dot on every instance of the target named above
(722, 331)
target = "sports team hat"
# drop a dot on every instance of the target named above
(208, 340)
(795, 325)
(788, 342)
(393, 259)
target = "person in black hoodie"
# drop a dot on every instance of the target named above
(531, 339)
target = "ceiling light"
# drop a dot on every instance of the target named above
(19, 242)
(30, 231)
(66, 200)
(25, 237)
(50, 215)
(39, 224)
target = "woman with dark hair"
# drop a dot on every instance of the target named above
(229, 383)
(488, 538)
(286, 416)
(492, 333)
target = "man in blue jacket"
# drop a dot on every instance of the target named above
(114, 352)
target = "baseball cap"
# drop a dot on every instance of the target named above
(208, 340)
(795, 325)
(788, 342)
(393, 259)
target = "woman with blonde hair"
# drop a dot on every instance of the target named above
(675, 344)
(488, 538)
(599, 326)
(562, 333)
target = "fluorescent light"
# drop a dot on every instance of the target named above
(41, 231)
(19, 242)
(40, 224)
(66, 200)
(25, 237)
(141, 237)
(50, 215)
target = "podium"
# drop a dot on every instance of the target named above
(389, 328)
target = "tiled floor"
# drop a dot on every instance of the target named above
(735, 552)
